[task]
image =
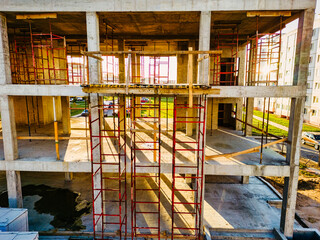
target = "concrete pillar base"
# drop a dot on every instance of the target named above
(68, 176)
(14, 189)
(245, 179)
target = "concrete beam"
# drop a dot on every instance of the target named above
(153, 5)
(304, 36)
(41, 90)
(51, 165)
(225, 91)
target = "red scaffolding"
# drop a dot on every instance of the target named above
(20, 63)
(39, 58)
(145, 139)
(109, 190)
(225, 70)
(77, 65)
(192, 208)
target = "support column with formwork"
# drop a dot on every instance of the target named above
(212, 117)
(93, 39)
(65, 108)
(9, 133)
(304, 35)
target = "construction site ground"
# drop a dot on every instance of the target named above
(308, 198)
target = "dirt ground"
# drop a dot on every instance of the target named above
(308, 198)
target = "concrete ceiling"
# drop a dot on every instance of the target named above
(148, 25)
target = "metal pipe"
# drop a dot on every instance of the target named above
(56, 134)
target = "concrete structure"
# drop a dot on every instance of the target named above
(151, 26)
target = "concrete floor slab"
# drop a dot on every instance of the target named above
(222, 141)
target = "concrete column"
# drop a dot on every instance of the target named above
(204, 74)
(14, 189)
(239, 114)
(5, 71)
(204, 45)
(94, 78)
(10, 145)
(65, 105)
(68, 176)
(304, 35)
(93, 39)
(242, 66)
(245, 179)
(249, 116)
(9, 133)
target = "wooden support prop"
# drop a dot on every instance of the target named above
(204, 57)
(36, 16)
(128, 73)
(190, 77)
(269, 13)
(250, 150)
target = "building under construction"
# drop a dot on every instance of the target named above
(167, 91)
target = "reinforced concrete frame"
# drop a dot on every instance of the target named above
(296, 92)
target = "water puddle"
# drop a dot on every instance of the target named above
(65, 206)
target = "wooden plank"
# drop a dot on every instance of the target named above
(269, 13)
(250, 150)
(49, 138)
(190, 77)
(36, 16)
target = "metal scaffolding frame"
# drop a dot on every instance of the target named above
(195, 208)
(145, 132)
(39, 58)
(112, 190)
(226, 72)
(77, 65)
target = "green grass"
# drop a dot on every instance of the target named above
(271, 129)
(78, 104)
(285, 122)
(163, 108)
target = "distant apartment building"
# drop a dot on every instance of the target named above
(281, 106)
